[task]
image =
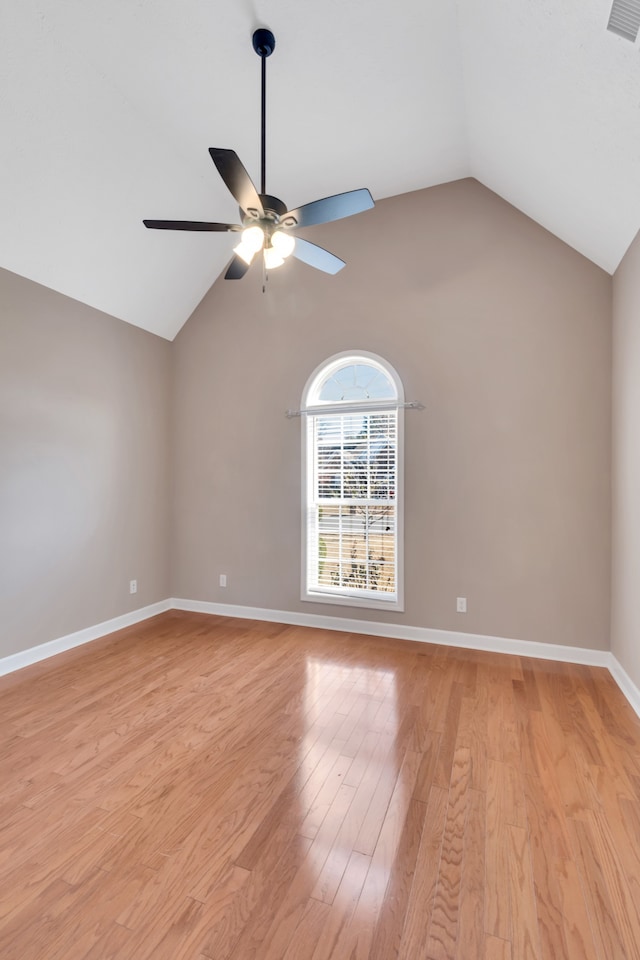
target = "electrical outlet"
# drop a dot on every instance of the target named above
(461, 604)
(133, 586)
(223, 579)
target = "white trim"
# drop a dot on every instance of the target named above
(24, 658)
(626, 684)
(398, 631)
(368, 601)
(333, 363)
(337, 408)
(449, 638)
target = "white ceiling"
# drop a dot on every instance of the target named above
(107, 111)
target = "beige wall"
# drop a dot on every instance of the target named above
(499, 329)
(502, 331)
(84, 465)
(625, 611)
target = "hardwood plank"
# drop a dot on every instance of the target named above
(248, 912)
(575, 722)
(112, 945)
(356, 940)
(331, 873)
(471, 927)
(438, 694)
(390, 925)
(525, 940)
(426, 773)
(530, 685)
(305, 936)
(422, 895)
(606, 929)
(540, 776)
(576, 920)
(449, 738)
(443, 930)
(343, 906)
(374, 743)
(273, 940)
(551, 928)
(380, 801)
(496, 949)
(497, 909)
(321, 803)
(472, 733)
(611, 858)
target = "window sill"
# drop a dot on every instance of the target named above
(343, 600)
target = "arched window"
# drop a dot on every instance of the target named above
(352, 483)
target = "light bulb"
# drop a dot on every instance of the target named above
(272, 258)
(252, 240)
(253, 237)
(244, 252)
(284, 243)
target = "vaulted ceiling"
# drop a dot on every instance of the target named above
(107, 111)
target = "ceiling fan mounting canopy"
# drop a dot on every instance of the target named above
(267, 224)
(264, 42)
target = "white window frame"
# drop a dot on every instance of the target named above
(310, 408)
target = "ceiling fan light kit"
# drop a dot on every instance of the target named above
(267, 225)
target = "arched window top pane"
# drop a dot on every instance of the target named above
(351, 380)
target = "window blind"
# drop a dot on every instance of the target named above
(352, 504)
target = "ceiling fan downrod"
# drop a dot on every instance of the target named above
(264, 44)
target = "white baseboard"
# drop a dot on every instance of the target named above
(469, 641)
(44, 650)
(397, 631)
(626, 684)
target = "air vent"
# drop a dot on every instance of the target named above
(625, 19)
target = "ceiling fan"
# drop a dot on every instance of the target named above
(267, 225)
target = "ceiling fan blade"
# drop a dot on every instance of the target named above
(238, 181)
(317, 256)
(191, 225)
(331, 208)
(236, 269)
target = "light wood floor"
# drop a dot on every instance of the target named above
(200, 787)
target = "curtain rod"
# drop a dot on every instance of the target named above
(333, 409)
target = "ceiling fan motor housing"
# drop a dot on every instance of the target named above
(274, 208)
